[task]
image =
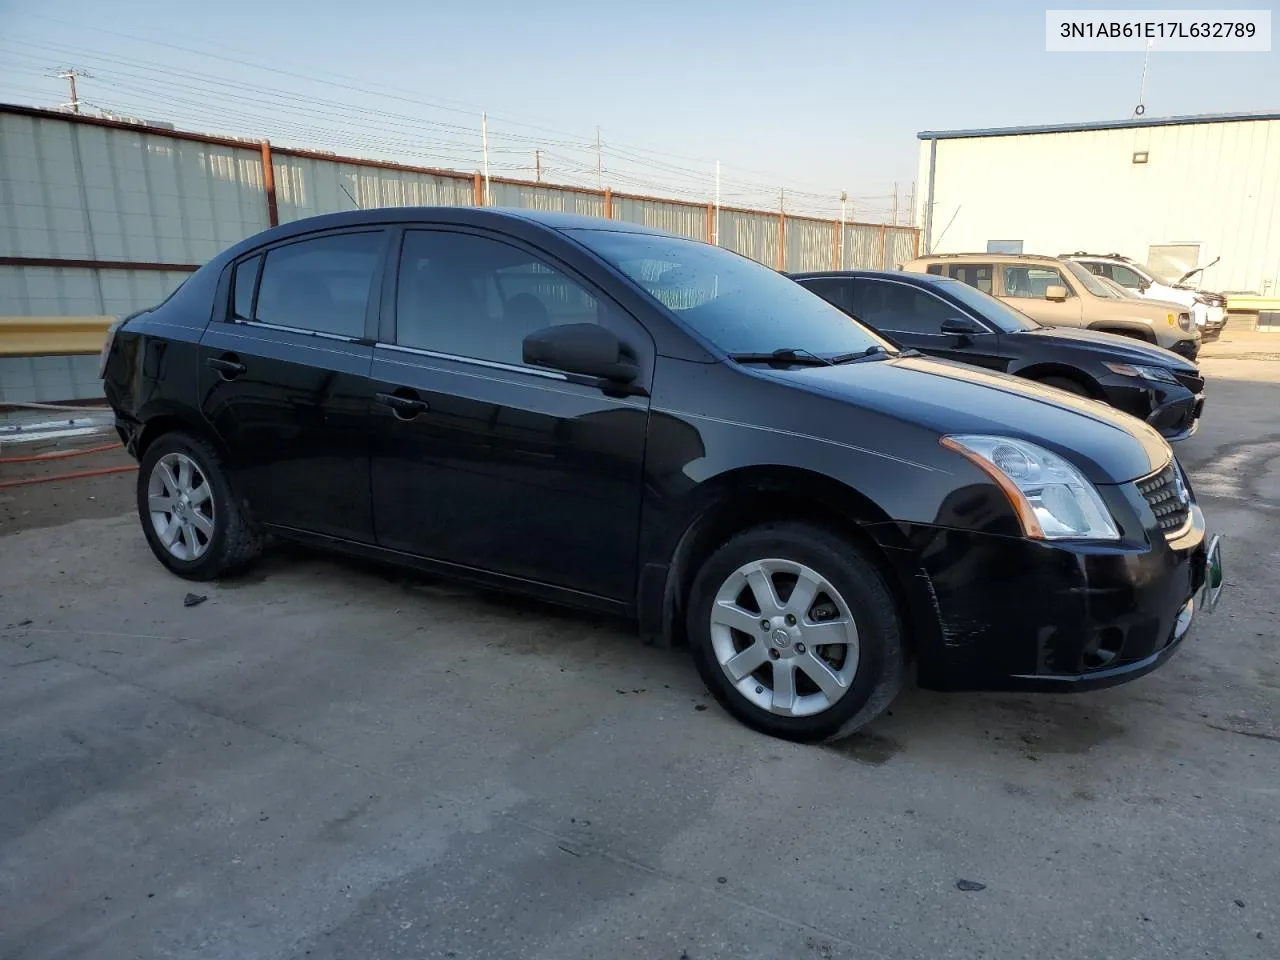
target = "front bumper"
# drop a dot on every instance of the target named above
(1187, 348)
(1173, 409)
(1019, 614)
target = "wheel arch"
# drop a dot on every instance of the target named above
(160, 419)
(1137, 331)
(1038, 371)
(746, 497)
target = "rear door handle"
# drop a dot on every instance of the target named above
(406, 408)
(228, 366)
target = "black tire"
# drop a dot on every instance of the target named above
(881, 665)
(1067, 384)
(235, 542)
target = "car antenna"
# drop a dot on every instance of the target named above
(344, 189)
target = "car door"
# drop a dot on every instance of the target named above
(913, 315)
(1026, 286)
(483, 461)
(284, 380)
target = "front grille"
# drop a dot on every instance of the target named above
(1167, 498)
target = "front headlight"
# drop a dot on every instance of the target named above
(1184, 321)
(1051, 497)
(1145, 373)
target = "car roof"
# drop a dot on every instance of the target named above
(478, 216)
(917, 278)
(985, 257)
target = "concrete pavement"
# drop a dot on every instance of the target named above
(328, 760)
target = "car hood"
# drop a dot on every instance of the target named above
(1106, 445)
(1109, 346)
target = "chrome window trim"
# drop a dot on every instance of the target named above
(473, 361)
(341, 338)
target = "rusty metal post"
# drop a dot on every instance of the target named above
(916, 234)
(608, 203)
(269, 184)
(711, 223)
(477, 190)
(884, 251)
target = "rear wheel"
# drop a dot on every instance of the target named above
(795, 632)
(190, 516)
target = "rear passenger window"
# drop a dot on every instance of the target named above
(935, 269)
(244, 282)
(974, 274)
(321, 284)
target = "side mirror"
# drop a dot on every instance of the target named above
(584, 348)
(1056, 292)
(960, 327)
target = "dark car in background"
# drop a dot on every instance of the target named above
(947, 318)
(610, 417)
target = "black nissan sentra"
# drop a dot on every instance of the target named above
(612, 417)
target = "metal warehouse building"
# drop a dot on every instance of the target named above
(1160, 191)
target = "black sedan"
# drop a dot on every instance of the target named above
(615, 418)
(948, 318)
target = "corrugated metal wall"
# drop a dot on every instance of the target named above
(76, 189)
(1216, 184)
(308, 187)
(84, 192)
(538, 197)
(684, 219)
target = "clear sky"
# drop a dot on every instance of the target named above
(812, 95)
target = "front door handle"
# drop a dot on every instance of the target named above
(227, 365)
(404, 407)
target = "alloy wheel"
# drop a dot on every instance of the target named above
(180, 502)
(785, 637)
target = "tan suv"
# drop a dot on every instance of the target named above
(1060, 293)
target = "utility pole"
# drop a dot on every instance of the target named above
(911, 205)
(895, 203)
(70, 75)
(599, 162)
(537, 166)
(715, 226)
(844, 197)
(484, 143)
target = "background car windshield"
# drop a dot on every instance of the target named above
(1007, 319)
(1121, 293)
(736, 303)
(1090, 282)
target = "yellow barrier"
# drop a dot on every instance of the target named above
(52, 336)
(1248, 303)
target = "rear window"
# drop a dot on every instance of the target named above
(321, 284)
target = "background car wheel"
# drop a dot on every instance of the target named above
(795, 633)
(194, 523)
(1067, 384)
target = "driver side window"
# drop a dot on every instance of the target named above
(470, 296)
(1126, 277)
(900, 308)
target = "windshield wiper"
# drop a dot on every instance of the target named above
(786, 356)
(872, 352)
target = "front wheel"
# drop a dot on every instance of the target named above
(193, 522)
(795, 632)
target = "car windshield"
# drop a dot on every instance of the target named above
(737, 304)
(1117, 291)
(1005, 317)
(1090, 282)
